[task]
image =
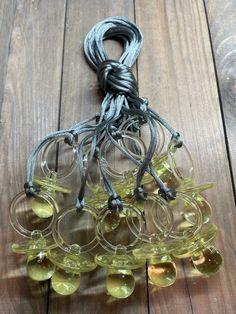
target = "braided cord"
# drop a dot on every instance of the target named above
(121, 102)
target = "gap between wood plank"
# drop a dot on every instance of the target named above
(58, 124)
(146, 266)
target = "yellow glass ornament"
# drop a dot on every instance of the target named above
(41, 208)
(180, 161)
(156, 214)
(75, 263)
(50, 186)
(208, 261)
(173, 167)
(39, 267)
(64, 282)
(25, 221)
(162, 271)
(200, 240)
(33, 246)
(120, 283)
(182, 229)
(189, 187)
(204, 207)
(194, 191)
(66, 279)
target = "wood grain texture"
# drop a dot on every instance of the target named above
(29, 111)
(81, 99)
(44, 75)
(176, 73)
(221, 16)
(7, 14)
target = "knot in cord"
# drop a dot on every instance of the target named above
(121, 104)
(116, 76)
(31, 189)
(140, 194)
(115, 203)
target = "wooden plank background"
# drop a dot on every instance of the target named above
(186, 69)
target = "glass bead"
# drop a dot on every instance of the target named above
(64, 282)
(42, 208)
(120, 283)
(208, 261)
(39, 267)
(162, 272)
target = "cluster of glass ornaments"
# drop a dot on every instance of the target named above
(116, 225)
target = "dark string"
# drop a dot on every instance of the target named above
(121, 102)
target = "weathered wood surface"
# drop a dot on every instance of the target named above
(30, 110)
(177, 60)
(7, 14)
(45, 82)
(221, 17)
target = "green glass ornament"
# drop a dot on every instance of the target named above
(199, 241)
(208, 261)
(50, 186)
(66, 279)
(162, 271)
(39, 267)
(120, 283)
(42, 208)
(64, 282)
(204, 207)
(194, 191)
